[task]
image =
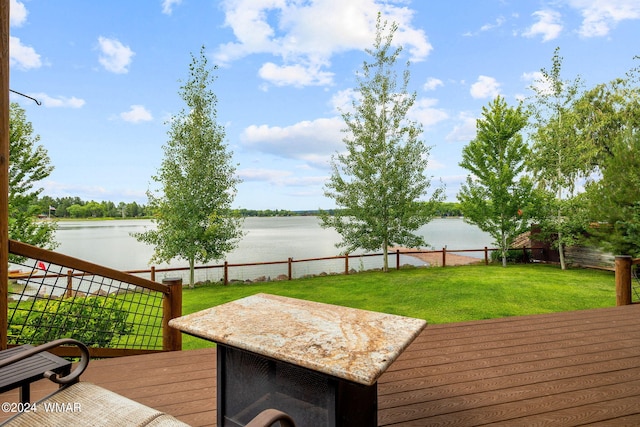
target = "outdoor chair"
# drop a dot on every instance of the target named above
(97, 406)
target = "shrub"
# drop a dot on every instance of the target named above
(96, 321)
(516, 256)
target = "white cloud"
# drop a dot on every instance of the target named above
(342, 101)
(294, 75)
(279, 177)
(91, 192)
(269, 175)
(538, 82)
(18, 13)
(549, 25)
(136, 114)
(114, 56)
(432, 83)
(305, 35)
(167, 6)
(423, 111)
(310, 141)
(499, 22)
(485, 87)
(600, 16)
(464, 130)
(58, 102)
(24, 57)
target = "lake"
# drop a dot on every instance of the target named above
(109, 242)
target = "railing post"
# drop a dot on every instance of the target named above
(346, 264)
(623, 280)
(4, 171)
(225, 279)
(289, 267)
(153, 273)
(397, 259)
(69, 292)
(486, 256)
(444, 257)
(172, 308)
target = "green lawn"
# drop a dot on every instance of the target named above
(438, 295)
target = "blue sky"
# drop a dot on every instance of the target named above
(107, 73)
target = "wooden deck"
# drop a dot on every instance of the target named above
(563, 369)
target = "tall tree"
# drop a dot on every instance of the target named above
(192, 209)
(496, 196)
(560, 155)
(606, 112)
(610, 115)
(29, 163)
(379, 181)
(614, 200)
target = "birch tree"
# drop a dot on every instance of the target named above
(379, 183)
(192, 209)
(560, 155)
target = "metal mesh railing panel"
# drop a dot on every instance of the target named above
(49, 301)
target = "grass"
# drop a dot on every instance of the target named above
(438, 295)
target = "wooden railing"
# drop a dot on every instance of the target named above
(624, 279)
(342, 264)
(46, 285)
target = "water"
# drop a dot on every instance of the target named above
(109, 242)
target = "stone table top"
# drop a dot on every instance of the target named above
(347, 343)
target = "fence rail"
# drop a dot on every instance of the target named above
(291, 268)
(51, 295)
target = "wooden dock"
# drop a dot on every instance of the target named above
(560, 369)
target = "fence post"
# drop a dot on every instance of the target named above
(225, 279)
(69, 292)
(289, 268)
(444, 257)
(346, 264)
(153, 273)
(486, 256)
(623, 280)
(397, 259)
(172, 308)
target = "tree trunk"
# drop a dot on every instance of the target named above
(504, 251)
(563, 264)
(385, 252)
(191, 273)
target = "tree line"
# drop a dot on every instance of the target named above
(75, 207)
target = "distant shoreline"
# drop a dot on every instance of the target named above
(64, 219)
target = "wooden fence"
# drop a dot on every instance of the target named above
(340, 264)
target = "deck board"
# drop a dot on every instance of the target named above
(557, 369)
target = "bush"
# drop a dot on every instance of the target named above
(516, 256)
(96, 321)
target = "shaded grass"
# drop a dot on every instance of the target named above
(438, 295)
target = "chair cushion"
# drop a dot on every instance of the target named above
(86, 404)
